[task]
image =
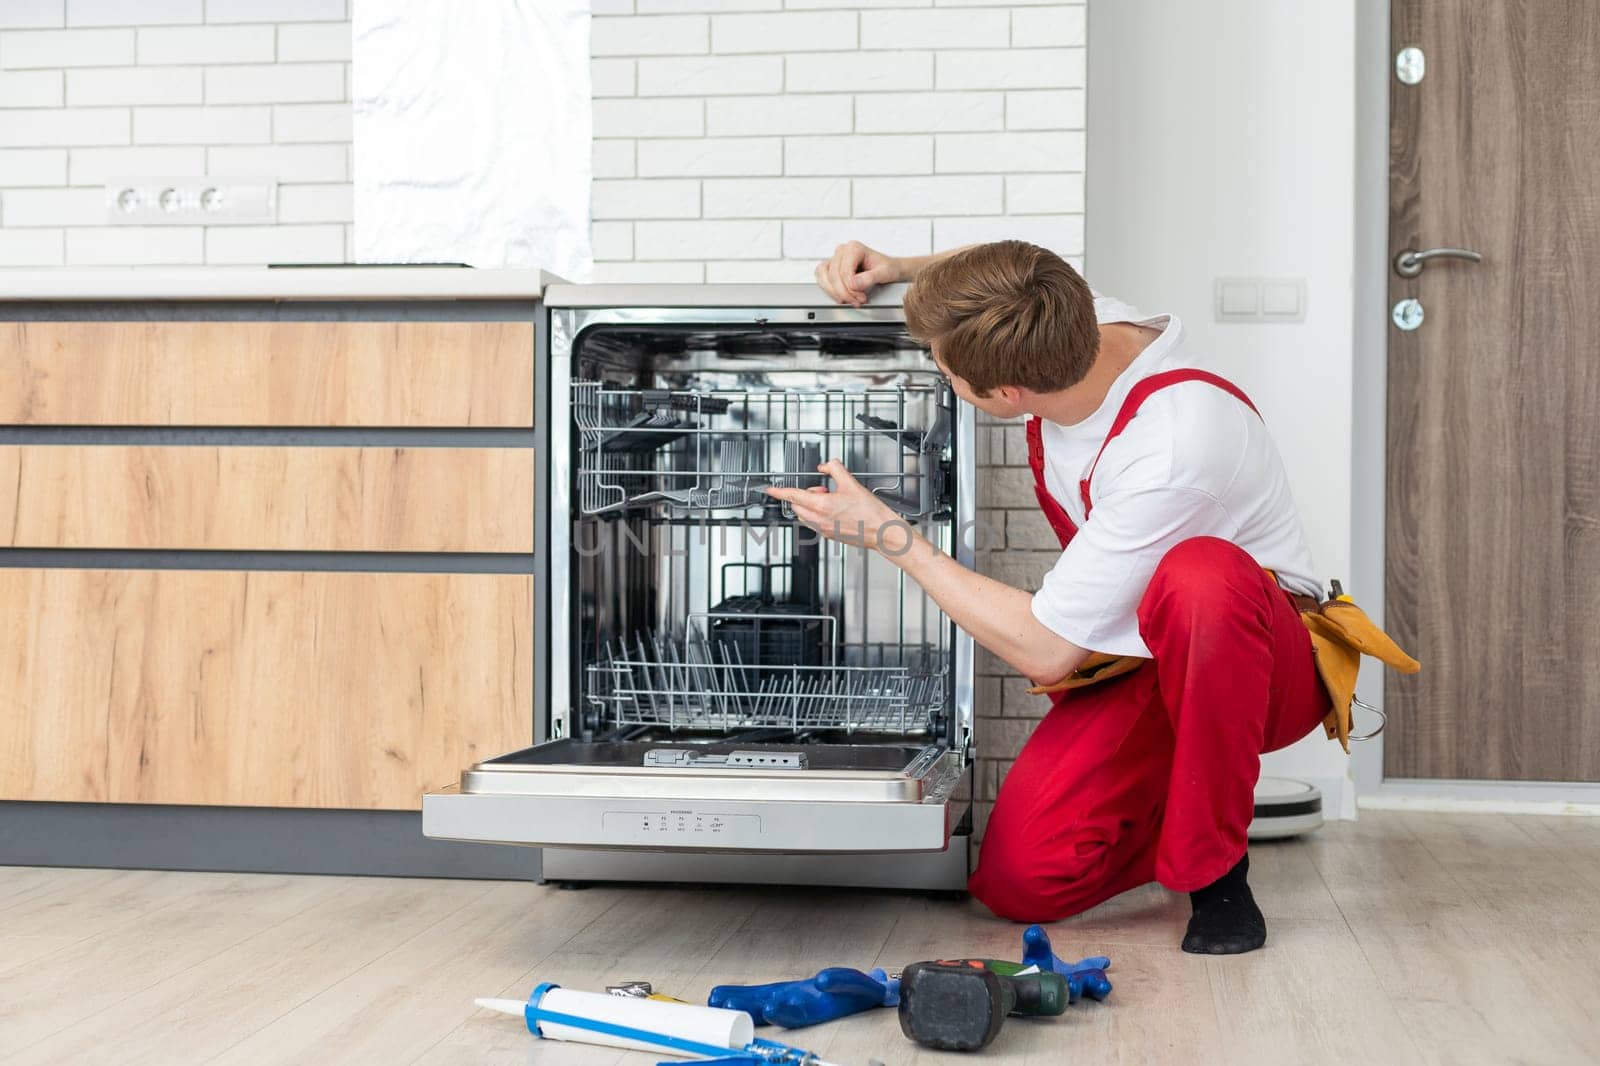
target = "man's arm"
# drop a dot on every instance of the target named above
(854, 270)
(996, 615)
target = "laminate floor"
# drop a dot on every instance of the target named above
(1402, 938)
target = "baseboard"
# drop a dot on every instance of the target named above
(245, 840)
(1581, 798)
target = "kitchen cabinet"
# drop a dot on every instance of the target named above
(267, 538)
(255, 498)
(277, 373)
(267, 688)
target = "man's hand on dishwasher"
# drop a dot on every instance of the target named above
(849, 513)
(850, 275)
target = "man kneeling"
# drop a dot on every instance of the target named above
(1168, 630)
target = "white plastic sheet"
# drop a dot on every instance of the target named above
(472, 133)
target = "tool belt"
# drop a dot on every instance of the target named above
(1341, 633)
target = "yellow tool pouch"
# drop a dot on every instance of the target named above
(1096, 668)
(1341, 633)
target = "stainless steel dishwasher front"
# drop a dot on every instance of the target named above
(718, 682)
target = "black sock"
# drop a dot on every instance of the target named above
(1226, 920)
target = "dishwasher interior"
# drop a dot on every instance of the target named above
(722, 678)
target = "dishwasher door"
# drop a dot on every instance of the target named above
(724, 796)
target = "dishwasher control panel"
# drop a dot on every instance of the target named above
(679, 827)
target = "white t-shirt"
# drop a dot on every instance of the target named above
(1194, 462)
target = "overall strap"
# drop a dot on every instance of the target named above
(1054, 513)
(1141, 391)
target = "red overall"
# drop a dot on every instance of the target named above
(1151, 776)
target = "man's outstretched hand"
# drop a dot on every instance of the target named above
(849, 513)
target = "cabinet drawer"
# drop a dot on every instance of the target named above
(266, 373)
(281, 689)
(267, 499)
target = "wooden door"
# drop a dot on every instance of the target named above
(1494, 400)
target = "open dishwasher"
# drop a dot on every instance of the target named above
(729, 696)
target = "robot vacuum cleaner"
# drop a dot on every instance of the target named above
(1285, 808)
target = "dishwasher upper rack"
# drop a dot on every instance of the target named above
(699, 685)
(696, 451)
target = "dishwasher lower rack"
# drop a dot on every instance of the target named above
(695, 684)
(699, 451)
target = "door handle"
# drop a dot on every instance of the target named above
(1409, 263)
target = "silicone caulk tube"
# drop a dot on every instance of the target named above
(678, 1023)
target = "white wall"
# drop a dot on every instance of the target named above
(1222, 144)
(741, 140)
(97, 89)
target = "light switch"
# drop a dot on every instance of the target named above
(1280, 298)
(1237, 298)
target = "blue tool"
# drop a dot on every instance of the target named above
(835, 992)
(1086, 977)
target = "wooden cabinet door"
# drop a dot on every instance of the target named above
(277, 689)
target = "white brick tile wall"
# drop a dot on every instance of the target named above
(811, 31)
(755, 115)
(859, 154)
(124, 86)
(96, 90)
(314, 42)
(1045, 109)
(613, 159)
(290, 163)
(755, 239)
(709, 157)
(935, 29)
(48, 127)
(645, 199)
(96, 166)
(1008, 152)
(275, 83)
(317, 123)
(32, 14)
(276, 11)
(274, 244)
(1015, 68)
(202, 125)
(135, 246)
(32, 247)
(832, 72)
(940, 112)
(771, 130)
(612, 77)
(208, 44)
(133, 12)
(33, 166)
(649, 36)
(777, 197)
(649, 118)
(954, 195)
(1044, 194)
(31, 88)
(710, 75)
(735, 140)
(51, 207)
(315, 203)
(65, 48)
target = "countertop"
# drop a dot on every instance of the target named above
(273, 283)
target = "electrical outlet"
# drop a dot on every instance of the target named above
(191, 201)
